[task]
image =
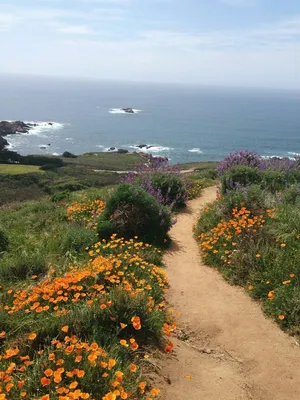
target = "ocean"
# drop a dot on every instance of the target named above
(183, 123)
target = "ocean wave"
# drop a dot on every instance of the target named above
(294, 154)
(42, 127)
(196, 150)
(121, 111)
(100, 146)
(282, 157)
(151, 148)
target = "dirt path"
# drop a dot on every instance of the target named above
(233, 352)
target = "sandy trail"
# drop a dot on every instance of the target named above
(233, 351)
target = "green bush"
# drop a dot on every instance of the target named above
(208, 173)
(20, 266)
(131, 211)
(292, 194)
(67, 154)
(252, 197)
(273, 181)
(172, 189)
(77, 239)
(3, 241)
(240, 176)
(42, 160)
(60, 196)
(72, 185)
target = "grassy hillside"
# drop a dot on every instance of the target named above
(61, 176)
(252, 233)
(82, 309)
(16, 169)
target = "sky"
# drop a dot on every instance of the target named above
(248, 43)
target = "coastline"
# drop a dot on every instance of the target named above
(38, 128)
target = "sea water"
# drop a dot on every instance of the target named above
(183, 123)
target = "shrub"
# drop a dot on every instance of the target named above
(72, 185)
(42, 160)
(60, 196)
(239, 176)
(241, 158)
(171, 188)
(67, 154)
(131, 211)
(160, 180)
(292, 194)
(3, 241)
(252, 197)
(273, 180)
(207, 173)
(77, 239)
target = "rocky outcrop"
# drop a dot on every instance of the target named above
(3, 143)
(128, 110)
(144, 146)
(11, 128)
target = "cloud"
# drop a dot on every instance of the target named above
(77, 30)
(7, 20)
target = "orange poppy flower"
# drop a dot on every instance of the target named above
(32, 336)
(65, 328)
(45, 381)
(133, 368)
(48, 372)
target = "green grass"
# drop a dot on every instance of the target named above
(107, 161)
(262, 257)
(16, 169)
(42, 246)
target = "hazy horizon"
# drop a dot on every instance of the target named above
(188, 85)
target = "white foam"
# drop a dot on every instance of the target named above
(196, 150)
(100, 146)
(69, 138)
(280, 157)
(121, 111)
(55, 154)
(42, 127)
(151, 148)
(294, 154)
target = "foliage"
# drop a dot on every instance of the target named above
(3, 241)
(81, 333)
(67, 154)
(254, 160)
(194, 189)
(252, 197)
(86, 212)
(171, 188)
(131, 211)
(238, 177)
(160, 180)
(77, 239)
(241, 158)
(252, 234)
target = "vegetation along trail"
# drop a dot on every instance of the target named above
(226, 348)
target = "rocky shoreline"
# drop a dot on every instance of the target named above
(14, 128)
(20, 127)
